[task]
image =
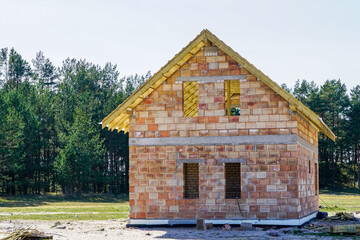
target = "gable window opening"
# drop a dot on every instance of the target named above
(232, 97)
(232, 180)
(190, 96)
(309, 166)
(191, 180)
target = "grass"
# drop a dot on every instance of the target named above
(339, 201)
(326, 234)
(105, 207)
(51, 207)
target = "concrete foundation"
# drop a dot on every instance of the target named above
(192, 222)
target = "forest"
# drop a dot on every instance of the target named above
(51, 139)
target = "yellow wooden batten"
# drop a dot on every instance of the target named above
(123, 124)
(114, 124)
(126, 129)
(185, 54)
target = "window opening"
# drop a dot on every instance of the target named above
(232, 180)
(316, 179)
(191, 180)
(232, 97)
(190, 90)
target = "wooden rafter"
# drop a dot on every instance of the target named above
(122, 117)
(123, 125)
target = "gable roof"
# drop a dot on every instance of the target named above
(119, 118)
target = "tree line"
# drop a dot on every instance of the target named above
(50, 133)
(51, 138)
(339, 108)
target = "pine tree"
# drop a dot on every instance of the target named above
(81, 155)
(354, 130)
(11, 144)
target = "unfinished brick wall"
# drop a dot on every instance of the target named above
(307, 175)
(305, 130)
(263, 112)
(307, 194)
(275, 182)
(269, 182)
(307, 158)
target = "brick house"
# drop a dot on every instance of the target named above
(213, 137)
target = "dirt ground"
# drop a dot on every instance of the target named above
(116, 229)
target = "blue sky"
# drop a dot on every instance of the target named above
(287, 40)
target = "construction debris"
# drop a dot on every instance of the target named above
(246, 226)
(56, 224)
(273, 233)
(318, 227)
(343, 216)
(226, 227)
(27, 234)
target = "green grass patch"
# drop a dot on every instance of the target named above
(75, 217)
(327, 234)
(339, 201)
(59, 207)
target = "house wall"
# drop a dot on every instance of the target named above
(307, 158)
(274, 183)
(263, 112)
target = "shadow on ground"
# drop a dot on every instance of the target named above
(343, 191)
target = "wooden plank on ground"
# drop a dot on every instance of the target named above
(352, 228)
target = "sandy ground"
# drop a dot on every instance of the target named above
(116, 229)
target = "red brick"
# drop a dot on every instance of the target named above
(203, 66)
(235, 71)
(148, 101)
(219, 99)
(213, 119)
(243, 71)
(164, 133)
(233, 65)
(214, 72)
(153, 127)
(140, 215)
(203, 106)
